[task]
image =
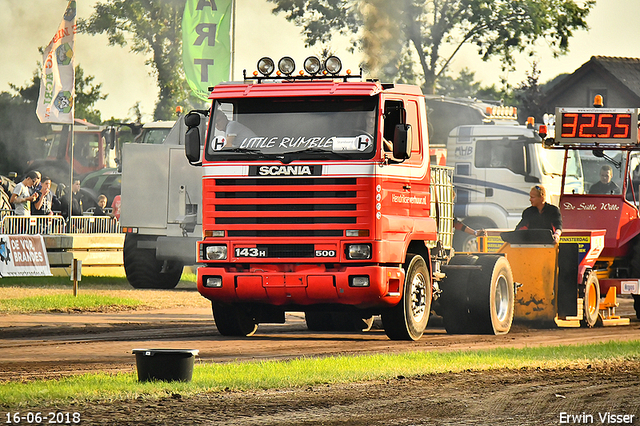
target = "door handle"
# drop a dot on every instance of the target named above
(406, 186)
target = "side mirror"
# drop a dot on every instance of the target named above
(402, 141)
(110, 137)
(192, 119)
(192, 145)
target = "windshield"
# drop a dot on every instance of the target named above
(552, 161)
(604, 172)
(154, 136)
(288, 129)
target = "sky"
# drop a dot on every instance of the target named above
(29, 24)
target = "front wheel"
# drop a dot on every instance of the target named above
(233, 320)
(408, 319)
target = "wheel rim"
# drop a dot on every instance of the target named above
(501, 298)
(591, 302)
(418, 297)
(471, 245)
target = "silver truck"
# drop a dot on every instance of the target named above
(160, 210)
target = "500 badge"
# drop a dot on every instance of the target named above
(325, 253)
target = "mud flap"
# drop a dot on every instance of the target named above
(567, 280)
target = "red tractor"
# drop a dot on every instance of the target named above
(607, 139)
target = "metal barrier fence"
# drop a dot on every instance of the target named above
(46, 225)
(93, 225)
(32, 225)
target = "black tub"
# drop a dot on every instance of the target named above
(169, 365)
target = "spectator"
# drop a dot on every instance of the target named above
(102, 204)
(76, 201)
(115, 206)
(47, 201)
(21, 197)
(605, 185)
(541, 215)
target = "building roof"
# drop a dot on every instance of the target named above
(622, 73)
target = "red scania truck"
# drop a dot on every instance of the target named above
(318, 196)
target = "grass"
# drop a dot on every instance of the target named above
(303, 372)
(66, 303)
(22, 295)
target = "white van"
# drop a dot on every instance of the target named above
(494, 170)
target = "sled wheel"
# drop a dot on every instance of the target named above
(591, 301)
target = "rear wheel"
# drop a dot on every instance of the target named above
(408, 319)
(142, 268)
(478, 300)
(493, 296)
(455, 296)
(233, 320)
(591, 301)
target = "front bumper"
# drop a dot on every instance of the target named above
(300, 284)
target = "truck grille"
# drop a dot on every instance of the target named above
(286, 207)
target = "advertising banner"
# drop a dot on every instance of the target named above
(23, 255)
(57, 79)
(206, 44)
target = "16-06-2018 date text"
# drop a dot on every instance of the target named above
(47, 417)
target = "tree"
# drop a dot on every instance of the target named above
(528, 95)
(154, 27)
(435, 31)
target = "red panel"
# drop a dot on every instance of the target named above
(321, 287)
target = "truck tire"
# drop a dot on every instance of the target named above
(142, 268)
(591, 301)
(455, 296)
(408, 319)
(233, 320)
(492, 296)
(318, 320)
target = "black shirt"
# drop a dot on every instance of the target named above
(604, 188)
(549, 218)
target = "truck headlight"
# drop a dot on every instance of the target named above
(358, 251)
(215, 252)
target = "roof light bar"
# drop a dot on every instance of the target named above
(286, 65)
(266, 66)
(312, 65)
(333, 65)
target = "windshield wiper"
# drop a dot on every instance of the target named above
(256, 152)
(288, 157)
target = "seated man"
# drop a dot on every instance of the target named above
(605, 185)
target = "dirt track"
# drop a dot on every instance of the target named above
(54, 345)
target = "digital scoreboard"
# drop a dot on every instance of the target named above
(597, 126)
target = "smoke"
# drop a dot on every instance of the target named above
(382, 37)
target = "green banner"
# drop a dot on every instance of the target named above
(206, 44)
